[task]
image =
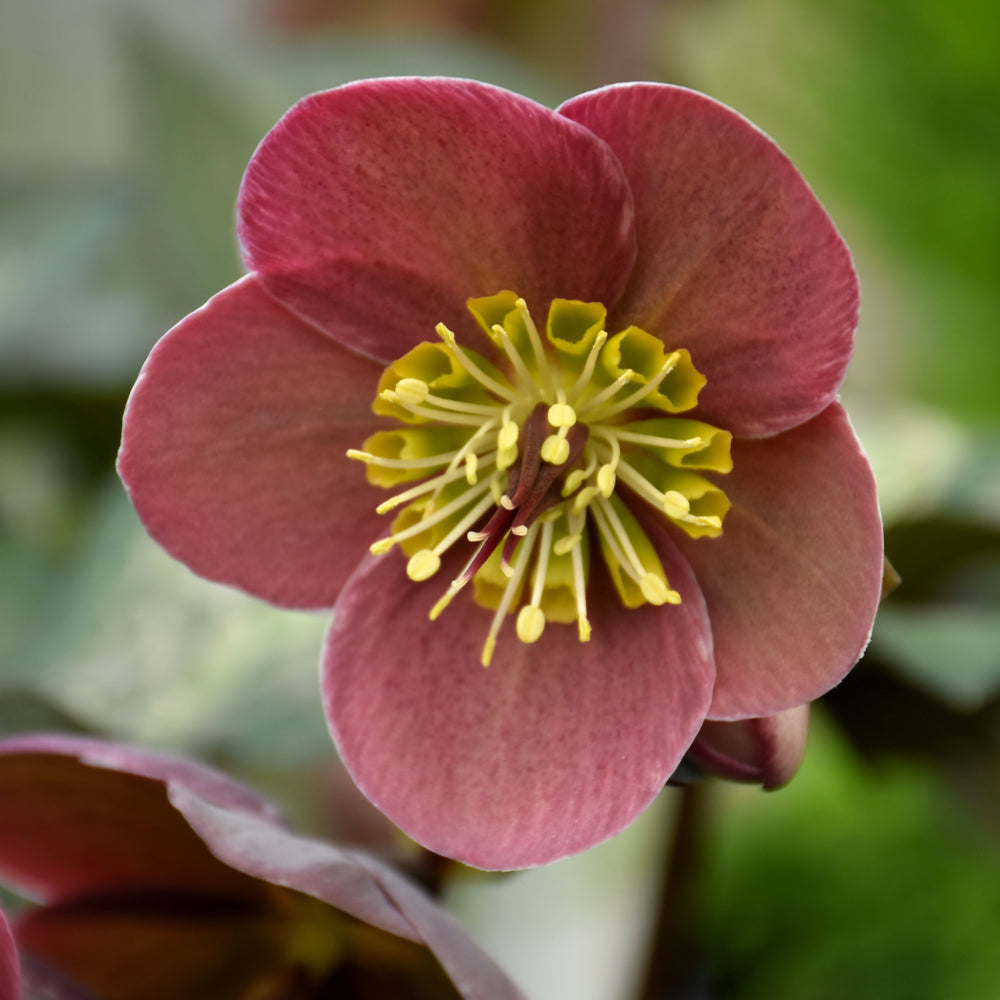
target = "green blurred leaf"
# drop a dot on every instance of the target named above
(73, 304)
(892, 110)
(852, 883)
(953, 652)
(130, 643)
(194, 139)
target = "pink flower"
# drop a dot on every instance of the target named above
(159, 878)
(614, 336)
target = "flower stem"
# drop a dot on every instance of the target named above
(674, 968)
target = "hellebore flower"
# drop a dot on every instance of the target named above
(602, 346)
(157, 878)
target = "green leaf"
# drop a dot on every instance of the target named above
(128, 642)
(952, 652)
(870, 885)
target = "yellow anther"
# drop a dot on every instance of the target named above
(573, 481)
(708, 521)
(505, 459)
(555, 449)
(606, 480)
(412, 390)
(360, 456)
(423, 565)
(445, 334)
(656, 591)
(507, 435)
(471, 466)
(583, 629)
(676, 504)
(566, 544)
(530, 623)
(562, 415)
(443, 601)
(582, 500)
(488, 647)
(382, 546)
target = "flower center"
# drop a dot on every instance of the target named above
(537, 458)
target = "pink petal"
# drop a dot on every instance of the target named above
(350, 880)
(793, 583)
(234, 447)
(737, 260)
(80, 814)
(157, 945)
(554, 748)
(765, 751)
(10, 968)
(432, 191)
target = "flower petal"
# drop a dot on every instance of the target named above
(10, 968)
(738, 262)
(350, 880)
(234, 449)
(80, 814)
(556, 747)
(432, 190)
(157, 945)
(793, 583)
(765, 751)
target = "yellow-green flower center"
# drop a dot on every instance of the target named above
(526, 460)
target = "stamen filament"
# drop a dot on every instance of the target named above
(536, 345)
(645, 390)
(520, 564)
(463, 526)
(641, 485)
(487, 381)
(584, 409)
(425, 462)
(577, 476)
(460, 406)
(542, 563)
(428, 414)
(427, 486)
(526, 378)
(583, 379)
(462, 500)
(653, 440)
(616, 536)
(575, 524)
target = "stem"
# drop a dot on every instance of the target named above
(431, 871)
(675, 964)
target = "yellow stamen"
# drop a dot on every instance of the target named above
(503, 339)
(486, 381)
(583, 379)
(555, 449)
(645, 390)
(423, 565)
(530, 623)
(500, 476)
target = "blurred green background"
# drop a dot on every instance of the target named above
(124, 129)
